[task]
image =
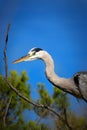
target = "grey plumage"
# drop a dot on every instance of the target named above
(80, 80)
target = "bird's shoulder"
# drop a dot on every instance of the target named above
(80, 78)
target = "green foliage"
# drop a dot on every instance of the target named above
(77, 122)
(60, 99)
(31, 125)
(34, 126)
(17, 105)
(14, 118)
(44, 95)
(20, 82)
(44, 99)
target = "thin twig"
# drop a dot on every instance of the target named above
(41, 116)
(65, 114)
(5, 49)
(21, 95)
(6, 111)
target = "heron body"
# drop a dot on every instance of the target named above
(80, 80)
(77, 85)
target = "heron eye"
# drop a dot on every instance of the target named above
(34, 52)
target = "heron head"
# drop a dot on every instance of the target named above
(34, 53)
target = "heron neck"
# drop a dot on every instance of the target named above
(57, 81)
(50, 73)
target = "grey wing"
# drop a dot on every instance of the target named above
(80, 80)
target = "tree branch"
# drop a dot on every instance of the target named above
(42, 116)
(5, 48)
(65, 114)
(6, 111)
(21, 95)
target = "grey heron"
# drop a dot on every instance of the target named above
(76, 85)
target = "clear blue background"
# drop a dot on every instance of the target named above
(58, 26)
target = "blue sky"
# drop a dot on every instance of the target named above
(58, 26)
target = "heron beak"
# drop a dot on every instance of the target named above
(24, 58)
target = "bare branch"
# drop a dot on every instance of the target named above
(5, 57)
(65, 114)
(6, 111)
